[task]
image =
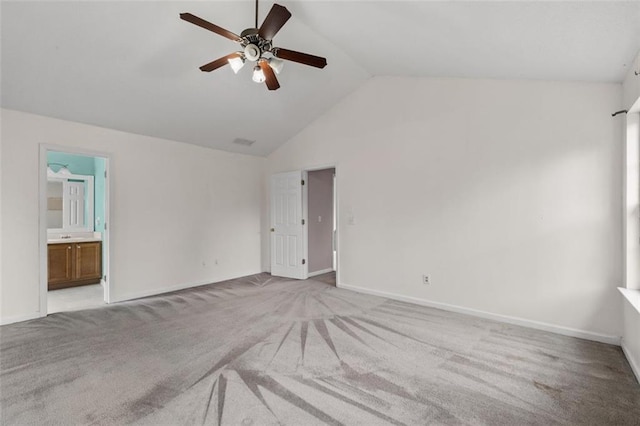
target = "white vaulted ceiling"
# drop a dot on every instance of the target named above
(133, 66)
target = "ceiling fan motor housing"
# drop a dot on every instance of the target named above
(252, 52)
(254, 45)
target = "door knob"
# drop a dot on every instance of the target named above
(273, 229)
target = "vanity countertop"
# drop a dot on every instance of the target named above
(73, 240)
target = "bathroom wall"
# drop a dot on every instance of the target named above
(89, 166)
(77, 164)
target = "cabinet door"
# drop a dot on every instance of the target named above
(88, 261)
(60, 263)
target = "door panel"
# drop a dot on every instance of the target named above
(73, 214)
(293, 251)
(59, 259)
(287, 229)
(88, 261)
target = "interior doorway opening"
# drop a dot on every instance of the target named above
(321, 214)
(304, 224)
(74, 206)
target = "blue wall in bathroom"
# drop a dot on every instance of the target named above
(85, 165)
(77, 164)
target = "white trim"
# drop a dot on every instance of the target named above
(632, 296)
(156, 292)
(42, 240)
(320, 272)
(305, 228)
(566, 331)
(305, 210)
(632, 362)
(11, 320)
(321, 167)
(106, 235)
(337, 247)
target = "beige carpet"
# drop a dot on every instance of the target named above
(262, 351)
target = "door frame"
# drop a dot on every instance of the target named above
(42, 223)
(305, 216)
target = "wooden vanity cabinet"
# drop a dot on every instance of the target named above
(60, 261)
(74, 264)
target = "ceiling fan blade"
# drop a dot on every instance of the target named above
(209, 26)
(270, 76)
(277, 17)
(214, 65)
(301, 58)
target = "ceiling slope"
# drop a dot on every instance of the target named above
(540, 40)
(133, 66)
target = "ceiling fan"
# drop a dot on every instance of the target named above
(256, 42)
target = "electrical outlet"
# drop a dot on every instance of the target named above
(425, 279)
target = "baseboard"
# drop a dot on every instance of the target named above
(19, 318)
(635, 367)
(566, 331)
(322, 271)
(163, 290)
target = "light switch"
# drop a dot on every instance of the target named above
(319, 219)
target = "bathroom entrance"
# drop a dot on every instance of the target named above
(74, 230)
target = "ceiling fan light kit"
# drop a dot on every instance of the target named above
(258, 74)
(276, 64)
(256, 42)
(236, 63)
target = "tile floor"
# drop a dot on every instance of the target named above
(75, 298)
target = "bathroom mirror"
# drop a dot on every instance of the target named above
(69, 203)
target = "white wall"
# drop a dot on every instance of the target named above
(507, 193)
(175, 209)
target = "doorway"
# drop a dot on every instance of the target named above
(321, 214)
(74, 236)
(304, 231)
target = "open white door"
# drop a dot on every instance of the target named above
(74, 199)
(287, 236)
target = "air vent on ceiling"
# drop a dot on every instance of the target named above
(245, 142)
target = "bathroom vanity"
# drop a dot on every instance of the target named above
(74, 262)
